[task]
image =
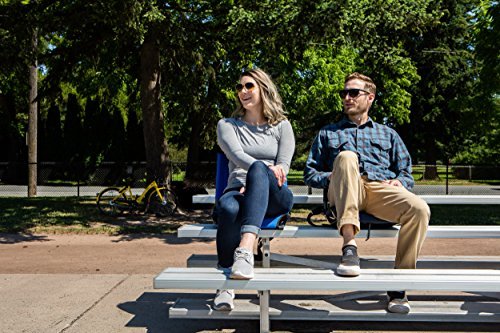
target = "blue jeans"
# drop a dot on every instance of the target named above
(238, 213)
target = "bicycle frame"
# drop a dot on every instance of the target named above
(127, 191)
(153, 198)
(154, 185)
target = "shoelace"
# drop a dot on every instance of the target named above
(242, 255)
(227, 291)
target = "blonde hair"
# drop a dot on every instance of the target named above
(271, 101)
(369, 84)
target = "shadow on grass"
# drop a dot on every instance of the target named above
(71, 215)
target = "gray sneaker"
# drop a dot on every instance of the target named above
(223, 300)
(243, 264)
(398, 302)
(349, 266)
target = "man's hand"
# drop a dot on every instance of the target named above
(279, 173)
(242, 190)
(392, 182)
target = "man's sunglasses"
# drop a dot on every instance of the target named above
(351, 92)
(249, 86)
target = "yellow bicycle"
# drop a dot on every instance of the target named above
(113, 201)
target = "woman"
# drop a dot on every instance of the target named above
(258, 140)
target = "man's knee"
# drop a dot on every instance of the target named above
(345, 159)
(346, 155)
(420, 209)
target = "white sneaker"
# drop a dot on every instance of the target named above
(242, 268)
(223, 300)
(398, 305)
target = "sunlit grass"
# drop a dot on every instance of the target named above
(67, 215)
(80, 216)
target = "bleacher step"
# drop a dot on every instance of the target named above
(326, 279)
(359, 310)
(368, 262)
(306, 231)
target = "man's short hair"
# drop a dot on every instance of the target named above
(369, 84)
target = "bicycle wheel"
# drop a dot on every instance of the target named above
(162, 208)
(111, 202)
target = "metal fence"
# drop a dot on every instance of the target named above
(69, 179)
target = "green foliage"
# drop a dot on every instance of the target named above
(435, 64)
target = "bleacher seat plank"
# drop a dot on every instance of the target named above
(361, 310)
(306, 231)
(386, 261)
(430, 199)
(325, 279)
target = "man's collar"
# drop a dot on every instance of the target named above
(346, 122)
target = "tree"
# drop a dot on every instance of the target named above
(481, 114)
(446, 65)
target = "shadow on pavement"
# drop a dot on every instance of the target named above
(18, 238)
(169, 239)
(150, 311)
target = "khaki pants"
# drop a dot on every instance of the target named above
(350, 193)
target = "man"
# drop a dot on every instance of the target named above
(366, 166)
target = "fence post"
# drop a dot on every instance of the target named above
(78, 184)
(447, 178)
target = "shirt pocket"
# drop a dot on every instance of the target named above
(336, 144)
(381, 152)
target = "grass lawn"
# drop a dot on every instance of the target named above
(80, 216)
(72, 215)
(295, 177)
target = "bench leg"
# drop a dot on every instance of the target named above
(266, 252)
(264, 295)
(264, 311)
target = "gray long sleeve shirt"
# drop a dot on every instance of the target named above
(244, 144)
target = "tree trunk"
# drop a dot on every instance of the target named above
(430, 171)
(153, 120)
(196, 173)
(193, 156)
(33, 122)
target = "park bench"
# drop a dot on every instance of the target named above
(310, 275)
(481, 280)
(333, 307)
(317, 199)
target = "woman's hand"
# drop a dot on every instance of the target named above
(279, 173)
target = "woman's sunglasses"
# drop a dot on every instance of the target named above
(249, 86)
(351, 92)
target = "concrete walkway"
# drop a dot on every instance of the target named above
(60, 191)
(101, 284)
(76, 303)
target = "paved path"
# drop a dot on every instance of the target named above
(59, 191)
(75, 284)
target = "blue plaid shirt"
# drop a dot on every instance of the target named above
(381, 152)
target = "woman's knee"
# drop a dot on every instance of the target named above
(258, 167)
(227, 209)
